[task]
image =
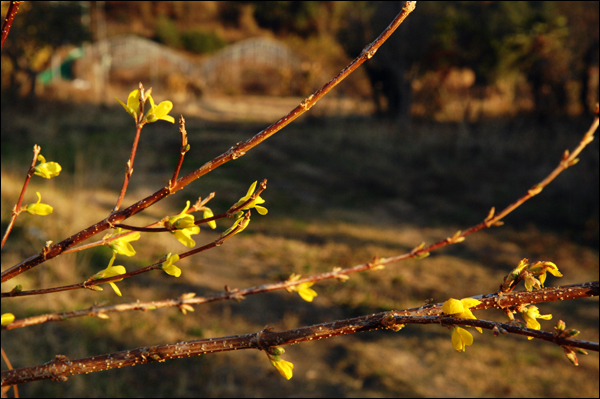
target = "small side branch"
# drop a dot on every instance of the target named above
(10, 17)
(30, 171)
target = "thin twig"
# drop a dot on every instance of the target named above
(10, 17)
(134, 146)
(489, 301)
(17, 208)
(182, 151)
(10, 367)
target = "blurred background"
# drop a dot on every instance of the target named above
(465, 107)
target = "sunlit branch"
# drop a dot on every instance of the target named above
(496, 300)
(61, 367)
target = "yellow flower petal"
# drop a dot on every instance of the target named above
(114, 287)
(305, 292)
(461, 338)
(172, 270)
(260, 209)
(453, 306)
(159, 111)
(252, 204)
(208, 214)
(284, 367)
(162, 111)
(169, 267)
(184, 236)
(470, 302)
(133, 100)
(185, 223)
(133, 103)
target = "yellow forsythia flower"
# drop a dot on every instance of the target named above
(530, 314)
(305, 292)
(159, 111)
(47, 169)
(461, 338)
(185, 223)
(242, 221)
(111, 271)
(252, 204)
(39, 209)
(283, 366)
(169, 267)
(155, 113)
(121, 245)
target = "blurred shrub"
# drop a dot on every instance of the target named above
(165, 32)
(201, 42)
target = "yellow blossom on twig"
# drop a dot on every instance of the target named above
(38, 208)
(305, 291)
(111, 271)
(47, 169)
(284, 367)
(155, 113)
(186, 228)
(121, 245)
(254, 203)
(302, 289)
(461, 338)
(169, 267)
(160, 111)
(530, 314)
(540, 269)
(460, 309)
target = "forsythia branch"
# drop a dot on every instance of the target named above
(61, 367)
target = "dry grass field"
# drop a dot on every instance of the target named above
(340, 191)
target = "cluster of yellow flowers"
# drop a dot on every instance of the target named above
(533, 275)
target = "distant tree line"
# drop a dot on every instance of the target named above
(551, 44)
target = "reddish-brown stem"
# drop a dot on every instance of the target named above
(10, 17)
(10, 367)
(496, 300)
(129, 170)
(61, 367)
(182, 151)
(17, 209)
